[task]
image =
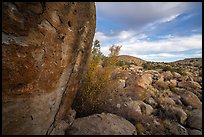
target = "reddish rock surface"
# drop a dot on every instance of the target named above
(44, 51)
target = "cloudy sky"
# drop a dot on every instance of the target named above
(153, 31)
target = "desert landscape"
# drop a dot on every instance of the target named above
(56, 79)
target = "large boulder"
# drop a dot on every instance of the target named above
(189, 85)
(189, 98)
(163, 100)
(195, 119)
(174, 113)
(138, 106)
(101, 124)
(136, 92)
(145, 80)
(176, 75)
(45, 47)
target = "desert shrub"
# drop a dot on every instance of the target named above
(120, 63)
(148, 66)
(124, 64)
(167, 68)
(171, 86)
(90, 98)
(174, 69)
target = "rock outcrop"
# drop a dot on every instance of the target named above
(101, 124)
(45, 47)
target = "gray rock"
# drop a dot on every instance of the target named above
(101, 124)
(151, 101)
(175, 128)
(195, 119)
(174, 113)
(194, 132)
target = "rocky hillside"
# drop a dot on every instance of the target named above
(44, 52)
(190, 61)
(131, 59)
(156, 98)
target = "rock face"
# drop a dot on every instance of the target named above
(101, 124)
(44, 49)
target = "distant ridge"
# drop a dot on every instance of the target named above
(139, 61)
(131, 59)
(190, 61)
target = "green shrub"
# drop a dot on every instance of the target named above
(148, 66)
(167, 68)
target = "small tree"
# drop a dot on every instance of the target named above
(112, 60)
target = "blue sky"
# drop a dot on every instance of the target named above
(153, 31)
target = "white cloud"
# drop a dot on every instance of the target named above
(166, 57)
(171, 44)
(137, 19)
(100, 36)
(171, 18)
(136, 45)
(123, 35)
(139, 14)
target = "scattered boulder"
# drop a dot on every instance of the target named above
(186, 78)
(146, 109)
(194, 132)
(165, 101)
(176, 75)
(135, 68)
(144, 81)
(189, 85)
(119, 83)
(178, 91)
(161, 85)
(101, 124)
(177, 99)
(174, 113)
(175, 128)
(189, 98)
(136, 92)
(131, 109)
(151, 101)
(195, 119)
(167, 75)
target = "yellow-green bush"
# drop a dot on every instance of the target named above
(171, 86)
(91, 96)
